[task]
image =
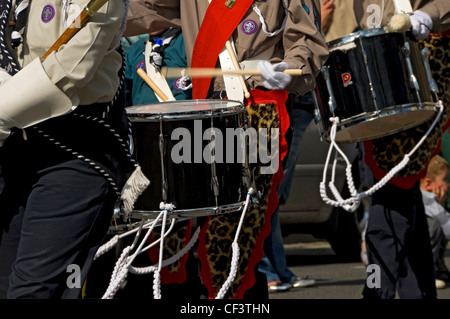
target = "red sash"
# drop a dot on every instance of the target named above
(217, 27)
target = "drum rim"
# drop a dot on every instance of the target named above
(374, 115)
(179, 215)
(357, 35)
(235, 108)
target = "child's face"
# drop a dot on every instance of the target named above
(440, 185)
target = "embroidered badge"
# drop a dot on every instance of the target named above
(48, 13)
(182, 84)
(249, 26)
(141, 65)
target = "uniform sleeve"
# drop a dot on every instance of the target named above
(439, 11)
(304, 45)
(371, 14)
(87, 66)
(146, 16)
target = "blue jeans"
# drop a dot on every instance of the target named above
(273, 263)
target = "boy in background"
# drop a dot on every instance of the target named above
(434, 187)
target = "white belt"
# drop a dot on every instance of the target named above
(403, 6)
(232, 83)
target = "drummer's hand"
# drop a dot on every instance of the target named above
(421, 24)
(272, 76)
(4, 76)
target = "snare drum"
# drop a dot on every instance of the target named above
(172, 143)
(377, 83)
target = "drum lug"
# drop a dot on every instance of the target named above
(162, 152)
(331, 100)
(406, 49)
(425, 53)
(215, 187)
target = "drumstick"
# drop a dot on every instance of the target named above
(152, 84)
(207, 72)
(236, 66)
(88, 11)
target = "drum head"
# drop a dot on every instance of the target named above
(389, 121)
(186, 109)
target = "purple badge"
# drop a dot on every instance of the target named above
(249, 26)
(181, 84)
(48, 13)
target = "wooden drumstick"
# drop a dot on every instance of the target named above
(236, 66)
(207, 72)
(152, 84)
(92, 7)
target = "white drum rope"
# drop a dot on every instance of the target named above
(169, 261)
(351, 204)
(157, 273)
(123, 265)
(124, 262)
(114, 240)
(235, 249)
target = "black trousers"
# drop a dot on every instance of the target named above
(54, 213)
(398, 241)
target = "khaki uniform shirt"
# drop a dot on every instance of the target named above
(300, 44)
(343, 21)
(84, 66)
(377, 13)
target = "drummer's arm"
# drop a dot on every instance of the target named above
(305, 47)
(146, 16)
(439, 11)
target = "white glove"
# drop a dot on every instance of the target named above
(421, 24)
(4, 76)
(272, 76)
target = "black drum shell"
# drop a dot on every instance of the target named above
(371, 85)
(189, 185)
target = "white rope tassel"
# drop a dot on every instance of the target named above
(235, 252)
(135, 185)
(351, 204)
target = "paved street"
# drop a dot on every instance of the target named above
(334, 279)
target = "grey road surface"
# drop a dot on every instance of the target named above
(335, 279)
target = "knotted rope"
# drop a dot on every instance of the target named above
(351, 204)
